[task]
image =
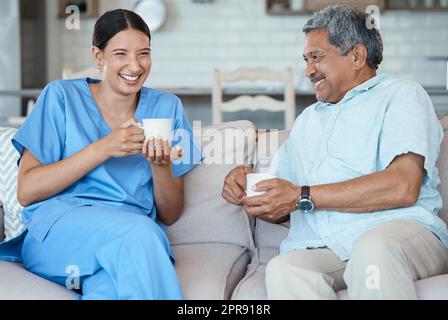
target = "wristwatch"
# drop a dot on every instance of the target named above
(304, 204)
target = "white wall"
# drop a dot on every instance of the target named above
(228, 33)
(54, 40)
(9, 56)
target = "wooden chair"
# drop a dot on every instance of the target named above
(257, 102)
(69, 73)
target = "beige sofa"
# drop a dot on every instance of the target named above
(220, 252)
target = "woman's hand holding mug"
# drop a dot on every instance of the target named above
(123, 141)
(158, 151)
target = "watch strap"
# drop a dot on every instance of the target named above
(305, 192)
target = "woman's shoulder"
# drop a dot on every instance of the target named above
(62, 86)
(161, 95)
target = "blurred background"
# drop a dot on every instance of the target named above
(41, 41)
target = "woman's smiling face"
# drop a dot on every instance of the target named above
(126, 61)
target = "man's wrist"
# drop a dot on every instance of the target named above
(305, 203)
(297, 193)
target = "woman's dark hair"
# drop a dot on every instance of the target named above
(115, 21)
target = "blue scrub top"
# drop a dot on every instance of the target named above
(65, 120)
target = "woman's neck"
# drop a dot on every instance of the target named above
(114, 104)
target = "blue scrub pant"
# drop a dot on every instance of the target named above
(117, 254)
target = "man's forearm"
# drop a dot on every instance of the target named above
(377, 191)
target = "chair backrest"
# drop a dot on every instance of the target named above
(257, 102)
(68, 73)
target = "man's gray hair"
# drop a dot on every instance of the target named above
(347, 27)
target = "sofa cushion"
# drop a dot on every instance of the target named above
(207, 217)
(252, 286)
(270, 235)
(19, 284)
(8, 184)
(206, 271)
(210, 271)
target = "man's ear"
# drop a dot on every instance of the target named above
(359, 55)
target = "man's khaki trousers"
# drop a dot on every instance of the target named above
(385, 262)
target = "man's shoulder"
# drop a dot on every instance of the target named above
(310, 110)
(397, 85)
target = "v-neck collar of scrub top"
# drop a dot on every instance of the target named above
(97, 111)
(363, 87)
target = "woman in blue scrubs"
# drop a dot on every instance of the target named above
(95, 191)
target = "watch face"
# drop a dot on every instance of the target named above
(305, 205)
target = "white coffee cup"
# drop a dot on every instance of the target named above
(158, 128)
(253, 179)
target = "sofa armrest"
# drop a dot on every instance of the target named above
(2, 225)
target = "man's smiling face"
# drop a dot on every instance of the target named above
(330, 72)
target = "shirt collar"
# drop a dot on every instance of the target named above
(365, 86)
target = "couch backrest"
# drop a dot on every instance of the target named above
(207, 217)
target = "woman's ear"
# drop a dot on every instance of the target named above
(97, 54)
(359, 52)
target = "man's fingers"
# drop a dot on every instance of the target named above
(241, 181)
(265, 185)
(240, 176)
(255, 211)
(235, 189)
(254, 201)
(231, 198)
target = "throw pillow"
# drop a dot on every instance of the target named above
(8, 184)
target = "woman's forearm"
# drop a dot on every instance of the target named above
(45, 181)
(168, 194)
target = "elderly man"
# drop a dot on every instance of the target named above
(357, 175)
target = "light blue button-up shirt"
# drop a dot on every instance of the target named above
(361, 134)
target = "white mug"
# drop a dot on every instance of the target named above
(253, 179)
(158, 128)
